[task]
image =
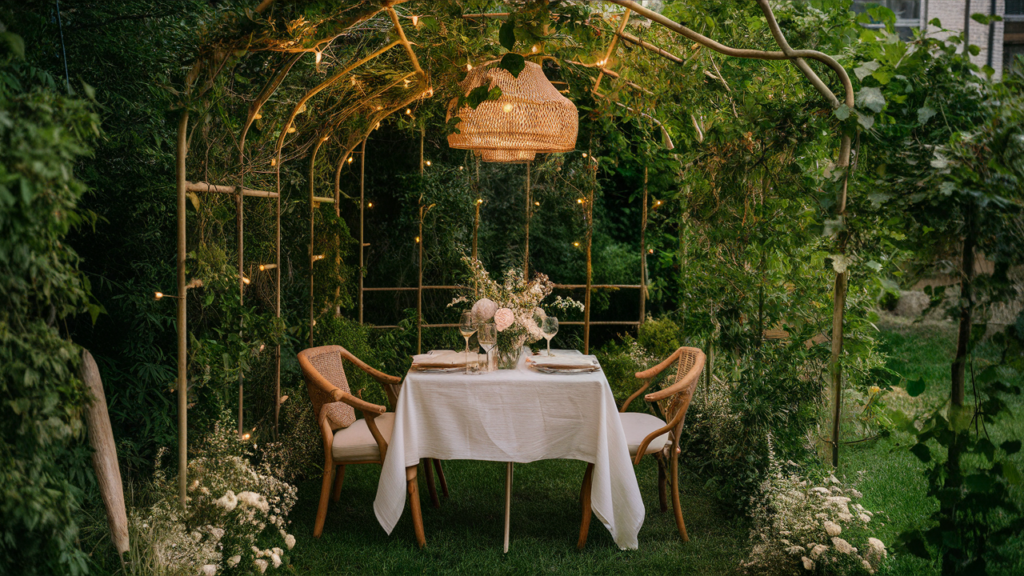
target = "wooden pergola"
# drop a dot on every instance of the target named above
(413, 86)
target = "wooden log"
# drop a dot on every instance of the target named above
(104, 455)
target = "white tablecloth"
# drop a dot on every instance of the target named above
(514, 416)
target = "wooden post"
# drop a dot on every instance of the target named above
(362, 216)
(590, 270)
(277, 305)
(839, 304)
(419, 266)
(611, 48)
(643, 253)
(104, 455)
(182, 311)
(241, 298)
(529, 213)
(312, 261)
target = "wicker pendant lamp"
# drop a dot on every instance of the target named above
(531, 116)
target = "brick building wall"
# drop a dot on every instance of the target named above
(952, 12)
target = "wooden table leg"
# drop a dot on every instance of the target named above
(440, 477)
(588, 482)
(429, 473)
(508, 500)
(414, 502)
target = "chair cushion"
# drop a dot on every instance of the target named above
(636, 426)
(356, 443)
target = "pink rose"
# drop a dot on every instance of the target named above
(503, 318)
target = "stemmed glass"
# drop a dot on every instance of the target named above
(467, 327)
(549, 328)
(488, 337)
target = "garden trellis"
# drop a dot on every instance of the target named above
(395, 96)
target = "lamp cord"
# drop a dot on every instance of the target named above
(64, 52)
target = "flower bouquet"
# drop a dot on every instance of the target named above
(513, 306)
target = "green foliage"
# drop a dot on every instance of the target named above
(43, 471)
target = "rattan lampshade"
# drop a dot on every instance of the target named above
(530, 117)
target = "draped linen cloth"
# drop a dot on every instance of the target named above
(514, 416)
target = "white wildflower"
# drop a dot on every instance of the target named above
(484, 309)
(261, 564)
(205, 491)
(808, 563)
(843, 546)
(217, 533)
(276, 550)
(818, 550)
(854, 493)
(875, 552)
(820, 491)
(228, 501)
(209, 569)
(832, 529)
(276, 559)
(865, 518)
(795, 550)
(289, 541)
(867, 566)
(254, 500)
(234, 560)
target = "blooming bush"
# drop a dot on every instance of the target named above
(235, 521)
(804, 529)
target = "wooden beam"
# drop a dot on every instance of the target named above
(220, 188)
(182, 151)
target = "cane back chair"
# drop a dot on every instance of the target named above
(346, 439)
(648, 434)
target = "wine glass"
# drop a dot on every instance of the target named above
(488, 337)
(467, 327)
(549, 328)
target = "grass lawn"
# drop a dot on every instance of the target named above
(893, 481)
(464, 536)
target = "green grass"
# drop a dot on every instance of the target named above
(893, 481)
(464, 536)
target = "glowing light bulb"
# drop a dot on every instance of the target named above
(601, 63)
(657, 203)
(584, 154)
(468, 66)
(479, 201)
(273, 161)
(579, 200)
(369, 205)
(349, 160)
(319, 56)
(650, 250)
(318, 257)
(245, 436)
(291, 129)
(535, 49)
(417, 239)
(314, 322)
(536, 203)
(415, 20)
(158, 295)
(408, 112)
(257, 116)
(262, 346)
(430, 91)
(428, 162)
(576, 244)
(507, 108)
(460, 167)
(245, 280)
(325, 138)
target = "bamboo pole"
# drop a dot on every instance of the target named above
(611, 49)
(241, 297)
(419, 282)
(312, 261)
(221, 188)
(590, 268)
(182, 151)
(529, 213)
(362, 216)
(643, 252)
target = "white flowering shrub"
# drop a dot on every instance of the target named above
(236, 521)
(800, 528)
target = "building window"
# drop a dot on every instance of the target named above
(908, 14)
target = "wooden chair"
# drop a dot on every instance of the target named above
(647, 434)
(348, 440)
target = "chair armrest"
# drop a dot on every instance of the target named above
(650, 438)
(357, 403)
(684, 383)
(639, 391)
(650, 373)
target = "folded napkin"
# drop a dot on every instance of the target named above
(564, 362)
(439, 359)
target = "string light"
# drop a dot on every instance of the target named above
(369, 205)
(415, 20)
(580, 200)
(318, 257)
(584, 154)
(468, 66)
(650, 250)
(576, 244)
(461, 167)
(273, 161)
(417, 239)
(325, 138)
(265, 267)
(349, 160)
(602, 62)
(158, 295)
(262, 346)
(245, 280)
(479, 200)
(408, 112)
(314, 322)
(428, 162)
(536, 203)
(657, 203)
(534, 49)
(319, 56)
(245, 436)
(291, 129)
(430, 91)
(257, 116)
(507, 108)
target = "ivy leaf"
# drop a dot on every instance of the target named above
(843, 112)
(476, 96)
(1010, 447)
(507, 35)
(924, 114)
(512, 62)
(915, 388)
(986, 447)
(882, 76)
(1012, 474)
(922, 452)
(866, 69)
(866, 120)
(871, 98)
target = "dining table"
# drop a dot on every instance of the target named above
(520, 415)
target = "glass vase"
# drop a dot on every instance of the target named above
(508, 356)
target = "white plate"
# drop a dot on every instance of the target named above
(440, 370)
(547, 370)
